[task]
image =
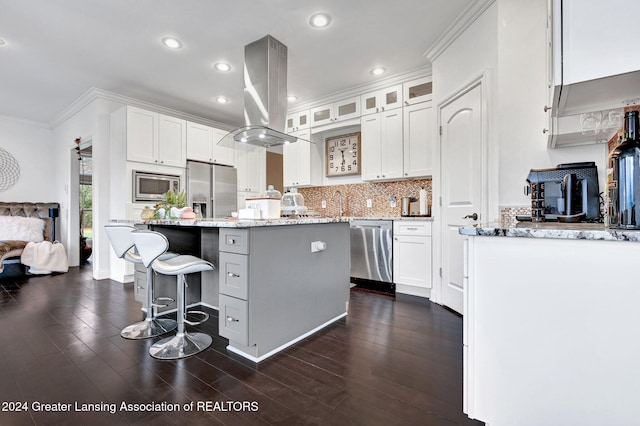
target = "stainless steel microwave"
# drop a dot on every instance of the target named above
(153, 186)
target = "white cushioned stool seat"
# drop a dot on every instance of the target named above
(151, 245)
(121, 238)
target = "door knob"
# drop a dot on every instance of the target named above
(473, 216)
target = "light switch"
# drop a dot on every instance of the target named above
(369, 203)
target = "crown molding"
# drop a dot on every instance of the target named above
(422, 71)
(457, 27)
(26, 122)
(94, 94)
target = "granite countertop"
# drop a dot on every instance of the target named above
(250, 223)
(568, 231)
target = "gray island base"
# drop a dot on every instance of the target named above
(273, 285)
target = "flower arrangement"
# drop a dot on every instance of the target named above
(171, 199)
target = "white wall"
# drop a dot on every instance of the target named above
(473, 54)
(522, 95)
(32, 145)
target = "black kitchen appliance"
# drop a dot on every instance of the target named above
(624, 175)
(568, 192)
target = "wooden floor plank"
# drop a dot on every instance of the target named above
(389, 362)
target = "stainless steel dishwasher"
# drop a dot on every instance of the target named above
(372, 255)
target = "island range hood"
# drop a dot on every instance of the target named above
(265, 97)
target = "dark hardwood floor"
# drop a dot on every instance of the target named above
(390, 362)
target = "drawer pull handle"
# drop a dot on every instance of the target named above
(231, 241)
(233, 275)
(412, 229)
(231, 319)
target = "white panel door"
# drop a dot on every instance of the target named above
(461, 168)
(172, 134)
(199, 140)
(222, 154)
(142, 135)
(418, 140)
(391, 144)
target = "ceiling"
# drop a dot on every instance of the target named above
(55, 51)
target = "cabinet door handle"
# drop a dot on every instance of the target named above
(231, 319)
(233, 275)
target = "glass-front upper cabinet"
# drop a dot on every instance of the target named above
(381, 100)
(337, 111)
(419, 90)
(298, 121)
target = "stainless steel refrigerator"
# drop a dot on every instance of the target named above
(212, 189)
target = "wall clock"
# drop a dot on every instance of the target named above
(343, 155)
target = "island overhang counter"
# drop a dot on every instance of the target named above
(550, 324)
(276, 281)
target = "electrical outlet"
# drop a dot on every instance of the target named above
(393, 203)
(369, 203)
(324, 204)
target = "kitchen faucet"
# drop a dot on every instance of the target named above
(339, 194)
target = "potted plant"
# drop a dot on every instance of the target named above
(173, 205)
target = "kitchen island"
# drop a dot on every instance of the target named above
(276, 281)
(551, 324)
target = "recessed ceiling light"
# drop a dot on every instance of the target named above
(320, 20)
(172, 42)
(221, 66)
(292, 98)
(222, 100)
(378, 70)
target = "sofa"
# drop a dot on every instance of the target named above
(16, 233)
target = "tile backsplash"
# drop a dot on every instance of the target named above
(355, 197)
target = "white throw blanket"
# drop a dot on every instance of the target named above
(45, 257)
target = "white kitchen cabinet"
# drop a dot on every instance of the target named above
(418, 90)
(141, 129)
(418, 136)
(382, 100)
(532, 339)
(297, 121)
(593, 39)
(155, 138)
(592, 68)
(302, 163)
(251, 165)
(202, 145)
(412, 257)
(172, 137)
(381, 148)
(338, 111)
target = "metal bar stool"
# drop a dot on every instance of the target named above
(151, 245)
(121, 239)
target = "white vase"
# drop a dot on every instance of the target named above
(176, 212)
(161, 212)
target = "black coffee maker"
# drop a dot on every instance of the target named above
(569, 192)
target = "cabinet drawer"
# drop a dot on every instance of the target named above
(233, 320)
(234, 275)
(410, 227)
(234, 240)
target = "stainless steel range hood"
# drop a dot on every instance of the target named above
(265, 97)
